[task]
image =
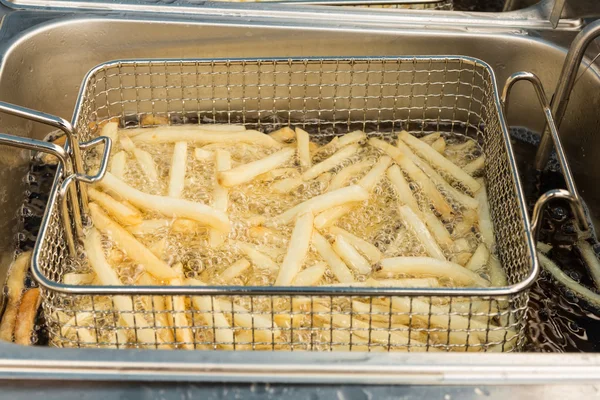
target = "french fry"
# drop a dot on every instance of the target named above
(118, 164)
(147, 164)
(432, 137)
(153, 119)
(220, 195)
(432, 267)
(283, 135)
(297, 250)
(123, 214)
(26, 316)
(286, 185)
(375, 312)
(278, 173)
(331, 162)
(166, 205)
(310, 276)
(15, 284)
(342, 340)
(134, 249)
(264, 328)
(437, 229)
(258, 259)
(213, 317)
(418, 176)
(110, 130)
(479, 258)
(149, 227)
(78, 279)
(463, 147)
(322, 202)
(591, 261)
(439, 161)
(107, 276)
(203, 155)
(439, 145)
(475, 165)
(234, 270)
(222, 127)
(177, 172)
(496, 272)
(337, 266)
(197, 134)
(413, 222)
(178, 318)
(403, 190)
(341, 141)
(157, 305)
(485, 220)
(158, 248)
(463, 198)
(247, 172)
(375, 174)
(371, 252)
(303, 140)
(126, 144)
(268, 235)
(329, 217)
(346, 173)
(351, 256)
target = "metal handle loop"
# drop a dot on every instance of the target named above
(571, 194)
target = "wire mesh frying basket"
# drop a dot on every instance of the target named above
(325, 96)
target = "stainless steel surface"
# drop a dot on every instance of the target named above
(572, 194)
(399, 4)
(557, 10)
(568, 77)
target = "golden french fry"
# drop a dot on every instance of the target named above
(479, 258)
(153, 119)
(475, 165)
(303, 140)
(311, 275)
(122, 213)
(430, 266)
(258, 259)
(15, 284)
(220, 195)
(337, 266)
(234, 270)
(331, 162)
(371, 252)
(197, 134)
(166, 205)
(177, 173)
(26, 317)
(346, 173)
(417, 226)
(247, 172)
(203, 155)
(439, 145)
(351, 256)
(322, 202)
(134, 249)
(286, 185)
(118, 164)
(418, 176)
(283, 135)
(297, 250)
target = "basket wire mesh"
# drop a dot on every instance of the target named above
(327, 97)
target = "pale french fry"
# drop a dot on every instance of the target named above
(479, 258)
(463, 147)
(376, 173)
(78, 279)
(351, 256)
(147, 164)
(310, 276)
(157, 304)
(222, 127)
(330, 163)
(258, 259)
(134, 249)
(544, 247)
(268, 235)
(341, 141)
(283, 135)
(403, 190)
(178, 318)
(329, 217)
(475, 165)
(286, 185)
(118, 164)
(345, 174)
(278, 173)
(26, 317)
(432, 137)
(439, 161)
(234, 270)
(264, 328)
(496, 272)
(220, 195)
(433, 267)
(177, 172)
(15, 284)
(461, 258)
(418, 176)
(462, 245)
(158, 248)
(407, 282)
(247, 172)
(342, 340)
(437, 229)
(463, 198)
(324, 178)
(203, 155)
(303, 140)
(149, 227)
(297, 250)
(589, 256)
(166, 205)
(196, 134)
(322, 202)
(413, 222)
(379, 313)
(439, 145)
(313, 147)
(255, 219)
(371, 252)
(123, 214)
(107, 276)
(485, 220)
(126, 144)
(110, 130)
(337, 266)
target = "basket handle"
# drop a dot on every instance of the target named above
(571, 194)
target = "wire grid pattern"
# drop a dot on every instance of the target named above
(326, 97)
